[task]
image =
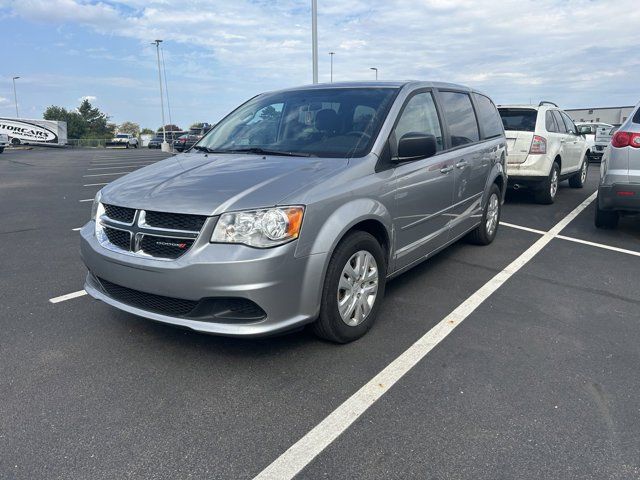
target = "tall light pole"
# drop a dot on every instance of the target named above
(314, 38)
(376, 70)
(331, 54)
(165, 145)
(15, 96)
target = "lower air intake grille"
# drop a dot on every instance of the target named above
(175, 307)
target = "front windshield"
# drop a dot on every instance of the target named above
(331, 122)
(122, 135)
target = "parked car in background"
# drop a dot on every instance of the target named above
(4, 142)
(619, 188)
(544, 147)
(156, 141)
(124, 140)
(594, 150)
(185, 142)
(297, 208)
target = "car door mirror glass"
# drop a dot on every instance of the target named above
(415, 145)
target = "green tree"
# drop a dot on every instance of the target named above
(170, 128)
(76, 127)
(269, 113)
(146, 131)
(129, 127)
(95, 120)
(197, 126)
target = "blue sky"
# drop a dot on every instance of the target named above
(577, 53)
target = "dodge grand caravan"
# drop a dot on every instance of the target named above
(298, 207)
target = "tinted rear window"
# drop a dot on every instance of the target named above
(460, 117)
(550, 122)
(520, 119)
(488, 117)
(636, 117)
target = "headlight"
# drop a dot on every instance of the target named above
(96, 207)
(259, 228)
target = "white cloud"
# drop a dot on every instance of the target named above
(4, 101)
(571, 51)
(91, 98)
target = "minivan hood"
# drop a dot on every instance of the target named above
(212, 184)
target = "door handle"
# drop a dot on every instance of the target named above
(462, 164)
(446, 169)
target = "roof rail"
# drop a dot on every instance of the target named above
(546, 101)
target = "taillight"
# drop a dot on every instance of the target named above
(626, 139)
(538, 145)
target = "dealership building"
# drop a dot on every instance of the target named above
(611, 115)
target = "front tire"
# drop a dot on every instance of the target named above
(579, 179)
(546, 194)
(353, 289)
(486, 232)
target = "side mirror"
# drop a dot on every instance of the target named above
(415, 145)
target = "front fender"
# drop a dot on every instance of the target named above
(320, 237)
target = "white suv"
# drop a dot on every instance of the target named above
(544, 147)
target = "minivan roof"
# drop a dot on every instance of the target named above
(382, 84)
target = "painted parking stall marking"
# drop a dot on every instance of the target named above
(68, 296)
(300, 454)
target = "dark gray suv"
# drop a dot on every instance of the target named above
(298, 207)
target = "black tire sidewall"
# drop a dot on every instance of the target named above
(329, 314)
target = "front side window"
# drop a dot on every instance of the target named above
(488, 116)
(420, 116)
(460, 118)
(571, 128)
(330, 122)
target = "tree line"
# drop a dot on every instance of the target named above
(88, 121)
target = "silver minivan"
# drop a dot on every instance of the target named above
(619, 189)
(298, 207)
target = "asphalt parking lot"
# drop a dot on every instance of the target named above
(538, 380)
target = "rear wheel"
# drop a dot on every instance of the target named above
(486, 231)
(549, 187)
(353, 289)
(1, 149)
(606, 218)
(579, 179)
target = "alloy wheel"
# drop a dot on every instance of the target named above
(493, 212)
(357, 288)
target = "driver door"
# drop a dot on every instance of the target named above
(424, 187)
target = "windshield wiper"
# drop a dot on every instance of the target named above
(206, 149)
(264, 151)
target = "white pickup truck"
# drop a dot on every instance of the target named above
(123, 140)
(4, 141)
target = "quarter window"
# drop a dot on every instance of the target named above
(488, 116)
(550, 122)
(559, 122)
(420, 116)
(460, 118)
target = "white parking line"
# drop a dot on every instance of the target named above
(599, 245)
(300, 454)
(520, 227)
(575, 240)
(115, 166)
(86, 200)
(68, 296)
(105, 174)
(76, 229)
(95, 184)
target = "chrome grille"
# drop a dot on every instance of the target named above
(161, 235)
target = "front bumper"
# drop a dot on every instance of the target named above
(611, 198)
(286, 288)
